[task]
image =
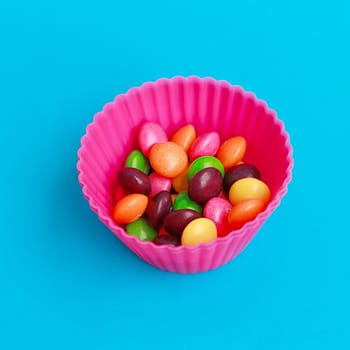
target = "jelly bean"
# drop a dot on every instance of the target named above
(204, 162)
(158, 183)
(137, 160)
(159, 206)
(239, 172)
(179, 182)
(134, 181)
(162, 232)
(245, 211)
(217, 210)
(176, 221)
(206, 184)
(167, 240)
(249, 188)
(205, 145)
(183, 201)
(142, 230)
(150, 134)
(130, 208)
(202, 230)
(232, 151)
(184, 137)
(168, 159)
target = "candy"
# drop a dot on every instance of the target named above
(232, 151)
(142, 230)
(202, 163)
(179, 182)
(239, 172)
(206, 184)
(158, 207)
(167, 240)
(176, 221)
(130, 208)
(137, 160)
(217, 210)
(198, 231)
(168, 159)
(205, 145)
(150, 134)
(184, 137)
(134, 181)
(183, 201)
(249, 188)
(158, 183)
(119, 194)
(245, 211)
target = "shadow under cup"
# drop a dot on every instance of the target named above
(209, 105)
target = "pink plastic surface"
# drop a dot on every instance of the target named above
(209, 105)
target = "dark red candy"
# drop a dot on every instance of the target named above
(206, 184)
(177, 220)
(168, 240)
(134, 181)
(158, 207)
(238, 172)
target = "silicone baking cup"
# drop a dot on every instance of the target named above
(209, 105)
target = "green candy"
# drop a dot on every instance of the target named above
(142, 230)
(183, 201)
(136, 159)
(202, 163)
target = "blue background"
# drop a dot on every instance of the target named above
(65, 281)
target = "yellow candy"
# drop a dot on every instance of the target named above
(249, 188)
(201, 230)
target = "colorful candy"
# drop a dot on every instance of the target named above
(168, 159)
(134, 181)
(198, 231)
(206, 184)
(249, 188)
(164, 199)
(130, 208)
(142, 230)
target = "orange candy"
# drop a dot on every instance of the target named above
(185, 136)
(179, 182)
(244, 212)
(130, 208)
(168, 159)
(232, 151)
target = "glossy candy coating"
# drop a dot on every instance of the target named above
(130, 208)
(179, 183)
(134, 181)
(202, 230)
(232, 151)
(183, 201)
(202, 163)
(238, 172)
(205, 145)
(158, 183)
(249, 188)
(184, 137)
(137, 160)
(159, 206)
(217, 210)
(176, 221)
(206, 184)
(245, 211)
(168, 159)
(150, 133)
(167, 240)
(141, 229)
(119, 193)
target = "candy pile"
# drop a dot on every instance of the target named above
(188, 190)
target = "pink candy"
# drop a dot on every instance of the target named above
(205, 145)
(217, 209)
(158, 184)
(150, 133)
